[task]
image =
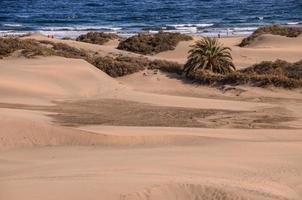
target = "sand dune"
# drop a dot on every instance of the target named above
(227, 165)
(42, 159)
(276, 41)
(46, 79)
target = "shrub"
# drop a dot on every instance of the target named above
(274, 30)
(166, 66)
(29, 48)
(209, 54)
(120, 65)
(152, 43)
(97, 37)
(67, 51)
(277, 68)
(67, 38)
(124, 65)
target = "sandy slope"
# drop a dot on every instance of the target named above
(217, 164)
(45, 79)
(40, 159)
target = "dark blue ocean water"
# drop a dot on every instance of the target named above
(72, 17)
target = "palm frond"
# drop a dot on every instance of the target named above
(209, 54)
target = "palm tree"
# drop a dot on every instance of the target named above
(209, 54)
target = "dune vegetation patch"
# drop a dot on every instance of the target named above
(99, 38)
(124, 65)
(119, 66)
(152, 43)
(210, 63)
(166, 66)
(28, 48)
(114, 66)
(274, 30)
(278, 74)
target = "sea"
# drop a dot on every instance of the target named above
(70, 18)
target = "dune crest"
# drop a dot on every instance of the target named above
(276, 41)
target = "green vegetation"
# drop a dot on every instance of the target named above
(208, 54)
(97, 37)
(153, 43)
(274, 30)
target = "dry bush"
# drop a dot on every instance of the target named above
(119, 66)
(67, 38)
(29, 48)
(274, 30)
(166, 66)
(67, 51)
(278, 74)
(277, 68)
(124, 65)
(97, 37)
(153, 43)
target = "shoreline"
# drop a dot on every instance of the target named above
(74, 35)
(188, 29)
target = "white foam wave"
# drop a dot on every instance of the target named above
(227, 32)
(63, 34)
(177, 26)
(12, 33)
(183, 31)
(13, 25)
(244, 28)
(187, 28)
(153, 32)
(293, 23)
(81, 28)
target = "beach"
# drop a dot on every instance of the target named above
(70, 131)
